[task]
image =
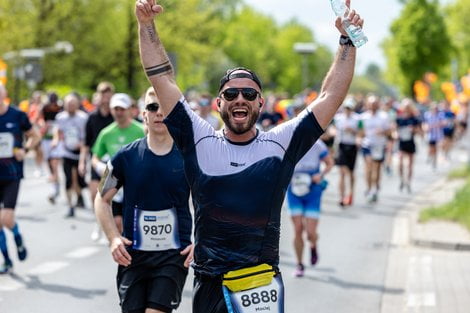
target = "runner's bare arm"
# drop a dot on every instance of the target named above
(84, 150)
(336, 84)
(33, 138)
(104, 215)
(154, 58)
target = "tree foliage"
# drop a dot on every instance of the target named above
(419, 43)
(204, 37)
(459, 29)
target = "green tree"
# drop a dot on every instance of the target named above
(256, 41)
(459, 31)
(288, 65)
(204, 37)
(419, 43)
(372, 81)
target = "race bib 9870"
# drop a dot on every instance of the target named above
(155, 230)
(6, 145)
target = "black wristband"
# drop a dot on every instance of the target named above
(345, 41)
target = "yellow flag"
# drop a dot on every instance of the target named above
(3, 72)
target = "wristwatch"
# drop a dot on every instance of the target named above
(345, 41)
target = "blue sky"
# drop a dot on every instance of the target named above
(318, 16)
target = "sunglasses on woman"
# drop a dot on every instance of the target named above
(230, 94)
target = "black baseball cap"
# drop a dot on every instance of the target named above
(230, 74)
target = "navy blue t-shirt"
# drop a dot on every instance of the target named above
(152, 183)
(449, 120)
(238, 188)
(13, 124)
(405, 128)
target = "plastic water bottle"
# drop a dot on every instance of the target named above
(354, 32)
(323, 184)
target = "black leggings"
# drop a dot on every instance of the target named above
(69, 165)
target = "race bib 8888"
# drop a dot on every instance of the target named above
(269, 298)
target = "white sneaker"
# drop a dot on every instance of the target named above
(96, 234)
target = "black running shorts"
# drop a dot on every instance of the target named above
(9, 193)
(207, 295)
(69, 166)
(117, 208)
(407, 146)
(94, 175)
(346, 156)
(153, 280)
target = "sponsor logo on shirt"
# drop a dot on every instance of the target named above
(234, 164)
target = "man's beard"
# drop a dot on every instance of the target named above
(239, 129)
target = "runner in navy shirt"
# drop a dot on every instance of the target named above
(155, 248)
(448, 128)
(408, 125)
(239, 175)
(14, 124)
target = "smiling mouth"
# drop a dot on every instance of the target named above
(239, 114)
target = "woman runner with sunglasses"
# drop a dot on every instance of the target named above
(155, 248)
(238, 176)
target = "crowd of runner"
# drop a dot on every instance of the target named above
(80, 137)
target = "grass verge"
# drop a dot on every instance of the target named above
(461, 172)
(457, 210)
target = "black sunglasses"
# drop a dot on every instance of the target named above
(152, 107)
(230, 94)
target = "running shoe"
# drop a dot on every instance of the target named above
(313, 255)
(370, 197)
(71, 213)
(51, 199)
(402, 185)
(299, 270)
(7, 265)
(349, 200)
(80, 203)
(408, 188)
(388, 170)
(21, 249)
(96, 233)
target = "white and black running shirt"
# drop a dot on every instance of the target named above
(238, 188)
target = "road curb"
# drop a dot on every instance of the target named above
(420, 240)
(439, 245)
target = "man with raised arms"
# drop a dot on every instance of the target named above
(239, 175)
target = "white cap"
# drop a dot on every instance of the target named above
(349, 103)
(121, 100)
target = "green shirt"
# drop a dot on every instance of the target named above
(112, 138)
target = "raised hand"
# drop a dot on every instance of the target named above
(353, 17)
(146, 10)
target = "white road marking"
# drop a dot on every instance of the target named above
(48, 268)
(420, 300)
(420, 282)
(83, 252)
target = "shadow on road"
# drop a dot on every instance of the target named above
(353, 285)
(33, 282)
